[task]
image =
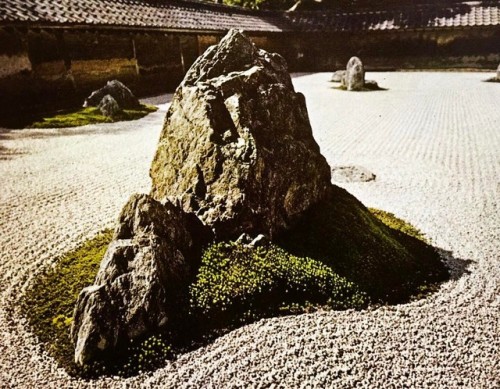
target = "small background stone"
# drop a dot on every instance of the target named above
(351, 174)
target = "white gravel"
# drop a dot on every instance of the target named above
(432, 140)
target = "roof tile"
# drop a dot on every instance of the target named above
(204, 16)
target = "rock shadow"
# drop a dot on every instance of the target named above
(7, 153)
(371, 89)
(457, 267)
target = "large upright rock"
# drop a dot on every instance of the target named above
(237, 148)
(123, 96)
(142, 279)
(355, 75)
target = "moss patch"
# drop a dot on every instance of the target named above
(49, 302)
(391, 221)
(237, 284)
(350, 254)
(90, 115)
(386, 263)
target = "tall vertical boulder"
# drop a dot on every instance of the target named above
(237, 147)
(355, 75)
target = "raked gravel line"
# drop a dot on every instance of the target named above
(432, 139)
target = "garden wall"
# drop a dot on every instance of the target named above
(56, 67)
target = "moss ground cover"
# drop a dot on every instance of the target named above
(237, 284)
(50, 300)
(90, 115)
(386, 263)
(391, 221)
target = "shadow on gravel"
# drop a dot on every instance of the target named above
(371, 89)
(302, 74)
(7, 153)
(457, 267)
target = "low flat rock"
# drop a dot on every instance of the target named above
(338, 76)
(351, 174)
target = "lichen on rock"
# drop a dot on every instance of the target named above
(237, 147)
(142, 278)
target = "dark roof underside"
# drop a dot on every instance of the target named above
(210, 17)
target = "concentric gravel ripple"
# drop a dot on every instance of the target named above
(433, 141)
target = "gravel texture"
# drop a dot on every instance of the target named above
(433, 141)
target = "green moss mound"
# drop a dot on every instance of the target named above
(395, 223)
(340, 256)
(91, 115)
(49, 302)
(385, 262)
(238, 283)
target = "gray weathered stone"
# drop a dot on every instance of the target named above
(123, 96)
(498, 72)
(259, 241)
(355, 75)
(142, 278)
(109, 107)
(338, 76)
(351, 174)
(237, 146)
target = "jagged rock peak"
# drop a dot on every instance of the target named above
(237, 147)
(236, 53)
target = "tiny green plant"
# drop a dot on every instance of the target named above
(236, 283)
(145, 355)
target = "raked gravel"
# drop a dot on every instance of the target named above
(433, 142)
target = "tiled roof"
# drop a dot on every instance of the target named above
(166, 14)
(417, 17)
(192, 15)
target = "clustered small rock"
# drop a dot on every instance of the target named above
(112, 99)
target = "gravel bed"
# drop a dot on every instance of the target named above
(431, 139)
